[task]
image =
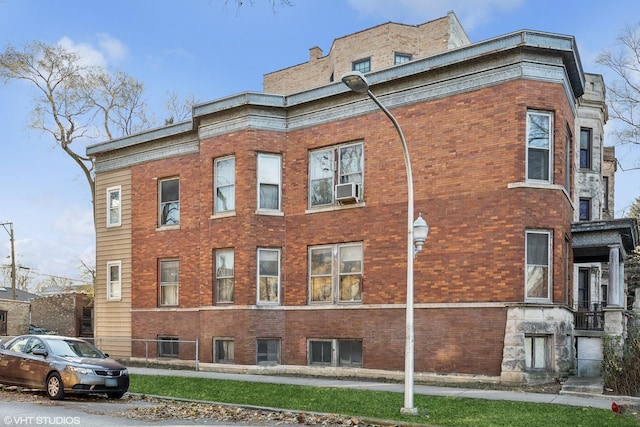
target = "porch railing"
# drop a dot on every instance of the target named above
(589, 318)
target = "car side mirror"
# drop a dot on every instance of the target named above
(40, 352)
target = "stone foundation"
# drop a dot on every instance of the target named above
(554, 322)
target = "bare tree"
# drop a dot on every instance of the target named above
(118, 99)
(22, 277)
(179, 109)
(624, 92)
(274, 3)
(632, 263)
(70, 95)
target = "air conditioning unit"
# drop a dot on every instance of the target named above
(348, 193)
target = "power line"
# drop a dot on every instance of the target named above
(47, 275)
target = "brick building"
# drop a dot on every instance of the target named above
(228, 229)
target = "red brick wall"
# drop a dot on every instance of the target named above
(447, 340)
(465, 151)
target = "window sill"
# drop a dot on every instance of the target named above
(335, 208)
(168, 227)
(535, 184)
(269, 213)
(223, 215)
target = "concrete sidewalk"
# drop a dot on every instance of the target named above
(581, 399)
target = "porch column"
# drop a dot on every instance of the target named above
(623, 287)
(614, 276)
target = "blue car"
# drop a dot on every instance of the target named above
(61, 365)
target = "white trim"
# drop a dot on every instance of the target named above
(110, 282)
(550, 149)
(259, 302)
(111, 190)
(549, 234)
(259, 210)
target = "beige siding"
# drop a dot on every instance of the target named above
(113, 318)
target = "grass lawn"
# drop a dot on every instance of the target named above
(432, 410)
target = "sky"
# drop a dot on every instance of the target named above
(211, 49)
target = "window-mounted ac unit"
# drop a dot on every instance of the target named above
(348, 193)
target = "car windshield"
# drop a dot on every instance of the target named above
(74, 348)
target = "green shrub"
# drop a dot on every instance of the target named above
(621, 361)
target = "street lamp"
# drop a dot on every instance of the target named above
(416, 234)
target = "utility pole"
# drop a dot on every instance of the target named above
(13, 256)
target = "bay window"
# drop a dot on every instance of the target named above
(539, 146)
(538, 269)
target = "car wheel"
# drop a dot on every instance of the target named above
(55, 389)
(116, 395)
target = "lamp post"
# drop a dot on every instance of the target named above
(416, 234)
(13, 256)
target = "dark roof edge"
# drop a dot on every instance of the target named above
(563, 44)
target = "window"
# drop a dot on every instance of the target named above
(583, 287)
(268, 351)
(350, 353)
(114, 209)
(224, 185)
(335, 273)
(401, 58)
(362, 65)
(224, 275)
(224, 350)
(320, 353)
(605, 193)
(585, 148)
(347, 352)
(19, 345)
(169, 270)
(114, 281)
(536, 352)
(268, 276)
(568, 160)
(539, 146)
(169, 202)
(168, 346)
(604, 294)
(3, 322)
(585, 209)
(341, 164)
(269, 179)
(538, 255)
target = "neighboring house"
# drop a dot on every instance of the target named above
(271, 228)
(68, 314)
(64, 314)
(15, 313)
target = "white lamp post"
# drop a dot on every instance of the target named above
(416, 231)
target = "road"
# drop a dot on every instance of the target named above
(19, 407)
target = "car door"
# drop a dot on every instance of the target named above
(6, 373)
(34, 367)
(10, 361)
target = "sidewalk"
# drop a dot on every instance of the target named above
(591, 400)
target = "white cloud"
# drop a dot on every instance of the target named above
(89, 55)
(471, 13)
(108, 49)
(113, 47)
